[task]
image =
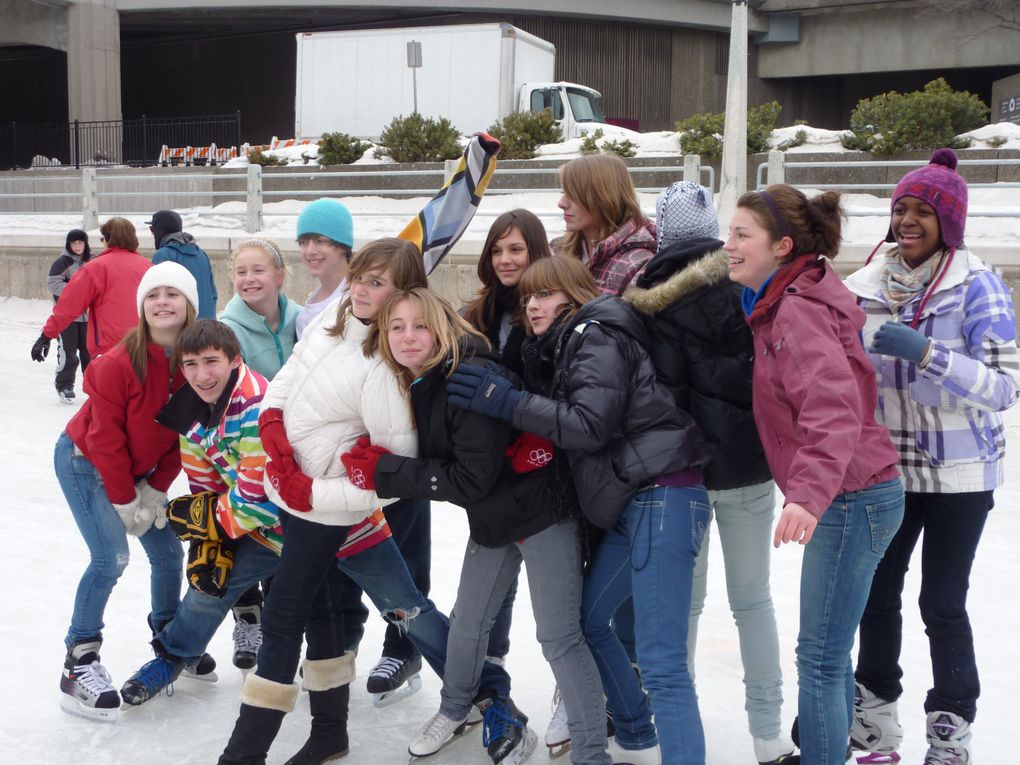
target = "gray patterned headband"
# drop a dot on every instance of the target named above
(271, 247)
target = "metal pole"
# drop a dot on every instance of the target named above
(238, 144)
(77, 147)
(733, 181)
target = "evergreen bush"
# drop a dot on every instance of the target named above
(703, 133)
(419, 139)
(922, 120)
(521, 133)
(340, 149)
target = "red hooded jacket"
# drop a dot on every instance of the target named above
(107, 288)
(116, 427)
(815, 389)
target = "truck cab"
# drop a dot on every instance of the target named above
(576, 108)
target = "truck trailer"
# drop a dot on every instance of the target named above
(356, 82)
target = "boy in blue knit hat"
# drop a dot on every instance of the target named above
(325, 234)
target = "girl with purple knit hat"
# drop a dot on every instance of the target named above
(941, 332)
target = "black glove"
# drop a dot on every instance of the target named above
(40, 348)
(193, 517)
(209, 563)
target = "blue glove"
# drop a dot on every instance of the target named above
(900, 341)
(482, 391)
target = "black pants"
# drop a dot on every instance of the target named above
(71, 347)
(952, 526)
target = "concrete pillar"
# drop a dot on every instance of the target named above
(93, 61)
(733, 178)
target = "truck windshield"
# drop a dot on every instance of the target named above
(586, 105)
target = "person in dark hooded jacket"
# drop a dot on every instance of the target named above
(635, 460)
(516, 515)
(72, 345)
(703, 352)
(172, 243)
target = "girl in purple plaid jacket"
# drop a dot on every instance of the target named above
(941, 332)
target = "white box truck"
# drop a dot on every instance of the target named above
(356, 82)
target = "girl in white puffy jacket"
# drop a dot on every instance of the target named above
(333, 390)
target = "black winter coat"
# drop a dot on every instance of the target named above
(703, 351)
(462, 459)
(618, 424)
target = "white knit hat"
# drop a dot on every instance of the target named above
(169, 274)
(685, 210)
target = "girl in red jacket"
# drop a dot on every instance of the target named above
(115, 464)
(814, 395)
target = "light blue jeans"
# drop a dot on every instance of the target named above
(839, 562)
(106, 538)
(649, 554)
(744, 517)
(553, 560)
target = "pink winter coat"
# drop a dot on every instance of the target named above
(815, 391)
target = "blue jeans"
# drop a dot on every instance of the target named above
(839, 563)
(649, 555)
(381, 572)
(744, 517)
(410, 520)
(199, 616)
(106, 538)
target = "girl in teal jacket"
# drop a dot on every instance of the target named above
(260, 313)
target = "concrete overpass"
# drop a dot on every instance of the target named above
(655, 61)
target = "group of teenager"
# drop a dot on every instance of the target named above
(591, 409)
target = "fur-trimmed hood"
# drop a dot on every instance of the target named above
(708, 270)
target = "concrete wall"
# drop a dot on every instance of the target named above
(857, 40)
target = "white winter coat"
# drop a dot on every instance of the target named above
(331, 395)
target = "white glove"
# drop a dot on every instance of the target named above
(153, 505)
(128, 513)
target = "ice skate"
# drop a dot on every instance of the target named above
(203, 668)
(649, 756)
(948, 740)
(392, 680)
(876, 727)
(66, 395)
(247, 636)
(151, 679)
(86, 688)
(434, 735)
(557, 736)
(505, 732)
(773, 751)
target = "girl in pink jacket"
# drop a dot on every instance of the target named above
(814, 395)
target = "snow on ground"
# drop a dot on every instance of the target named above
(46, 555)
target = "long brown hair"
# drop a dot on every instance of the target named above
(120, 232)
(400, 257)
(137, 340)
(600, 183)
(814, 225)
(482, 313)
(560, 272)
(443, 322)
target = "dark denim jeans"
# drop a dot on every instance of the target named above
(952, 525)
(104, 533)
(839, 562)
(410, 520)
(649, 555)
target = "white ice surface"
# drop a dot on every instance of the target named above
(45, 556)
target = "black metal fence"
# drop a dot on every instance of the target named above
(134, 142)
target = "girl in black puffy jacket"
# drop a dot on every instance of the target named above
(635, 460)
(516, 515)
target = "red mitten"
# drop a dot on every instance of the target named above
(530, 452)
(274, 439)
(293, 486)
(360, 465)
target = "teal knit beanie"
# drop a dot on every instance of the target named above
(329, 218)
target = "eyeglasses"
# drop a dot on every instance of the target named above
(541, 295)
(321, 241)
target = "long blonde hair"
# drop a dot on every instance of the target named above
(447, 327)
(400, 257)
(600, 183)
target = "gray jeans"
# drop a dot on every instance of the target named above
(553, 560)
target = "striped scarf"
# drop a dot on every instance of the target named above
(901, 283)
